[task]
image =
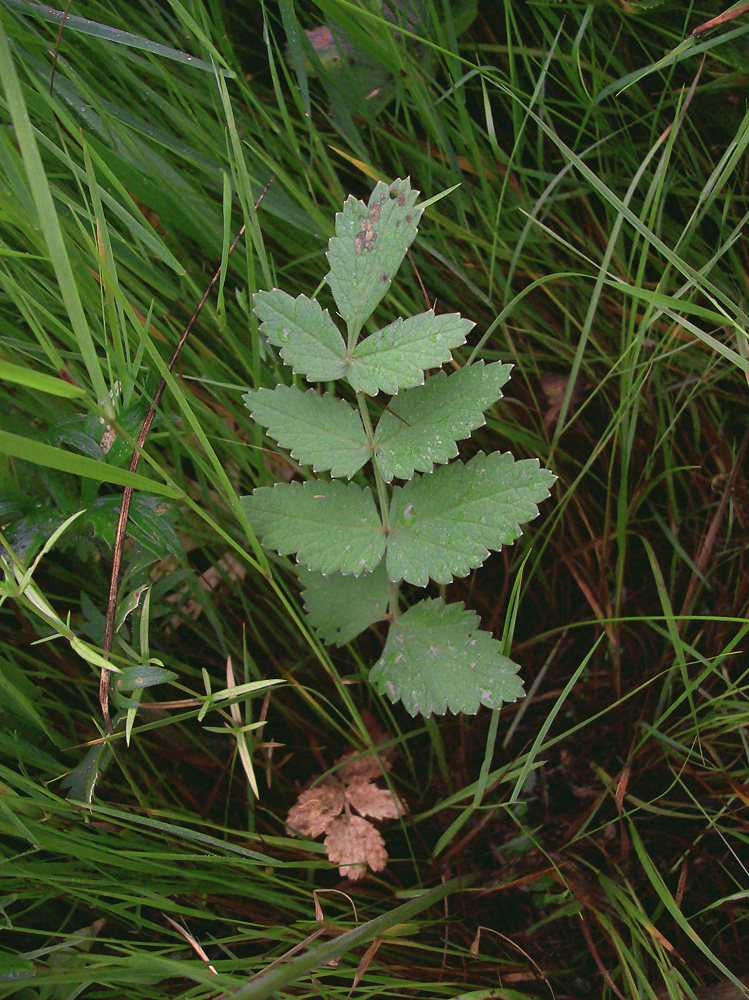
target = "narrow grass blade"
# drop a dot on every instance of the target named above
(15, 446)
(110, 34)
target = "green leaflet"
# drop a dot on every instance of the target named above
(421, 426)
(435, 659)
(341, 607)
(397, 356)
(444, 525)
(368, 248)
(331, 527)
(321, 431)
(310, 342)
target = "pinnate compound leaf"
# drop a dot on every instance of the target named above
(339, 608)
(353, 843)
(369, 247)
(397, 356)
(436, 659)
(421, 426)
(331, 526)
(322, 431)
(309, 340)
(315, 809)
(444, 525)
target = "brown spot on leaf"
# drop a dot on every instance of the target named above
(365, 240)
(107, 439)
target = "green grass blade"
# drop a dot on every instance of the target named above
(84, 26)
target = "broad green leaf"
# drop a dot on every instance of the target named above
(92, 435)
(340, 608)
(443, 525)
(332, 527)
(29, 525)
(435, 659)
(368, 248)
(310, 342)
(421, 426)
(151, 523)
(81, 781)
(137, 678)
(397, 356)
(321, 431)
(27, 534)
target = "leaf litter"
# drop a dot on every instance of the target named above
(352, 841)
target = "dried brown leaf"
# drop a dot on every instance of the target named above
(353, 843)
(364, 964)
(377, 732)
(364, 766)
(369, 800)
(554, 387)
(315, 809)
